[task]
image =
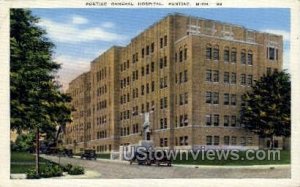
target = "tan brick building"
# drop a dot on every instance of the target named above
(188, 72)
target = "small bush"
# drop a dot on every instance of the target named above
(76, 170)
(31, 174)
(51, 170)
(67, 167)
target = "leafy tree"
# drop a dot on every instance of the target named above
(267, 108)
(24, 142)
(37, 105)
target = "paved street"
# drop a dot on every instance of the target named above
(122, 170)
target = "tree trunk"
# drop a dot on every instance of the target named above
(271, 142)
(37, 151)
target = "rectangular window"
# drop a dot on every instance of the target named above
(165, 40)
(215, 76)
(216, 140)
(215, 98)
(233, 140)
(226, 55)
(152, 66)
(216, 54)
(216, 119)
(233, 99)
(208, 140)
(208, 97)
(165, 61)
(208, 119)
(243, 141)
(152, 47)
(243, 58)
(243, 79)
(226, 99)
(226, 140)
(185, 53)
(233, 121)
(180, 56)
(185, 75)
(226, 121)
(233, 56)
(147, 69)
(143, 71)
(208, 75)
(147, 50)
(161, 43)
(161, 63)
(152, 86)
(250, 59)
(147, 88)
(143, 52)
(226, 77)
(271, 53)
(249, 80)
(142, 89)
(233, 78)
(208, 53)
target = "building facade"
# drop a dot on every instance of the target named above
(188, 74)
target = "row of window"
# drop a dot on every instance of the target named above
(101, 134)
(124, 98)
(100, 75)
(125, 131)
(214, 120)
(102, 90)
(213, 98)
(213, 53)
(181, 55)
(227, 140)
(182, 77)
(163, 142)
(101, 105)
(182, 121)
(101, 120)
(183, 140)
(103, 148)
(213, 76)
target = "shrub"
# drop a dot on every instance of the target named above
(31, 174)
(67, 167)
(76, 170)
(51, 170)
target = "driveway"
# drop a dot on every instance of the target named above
(122, 170)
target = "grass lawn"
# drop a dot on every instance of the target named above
(22, 161)
(284, 159)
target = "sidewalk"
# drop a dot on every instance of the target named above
(88, 174)
(211, 166)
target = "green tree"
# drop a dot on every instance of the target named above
(37, 105)
(267, 108)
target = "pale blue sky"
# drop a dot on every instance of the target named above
(80, 35)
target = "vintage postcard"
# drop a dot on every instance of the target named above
(188, 92)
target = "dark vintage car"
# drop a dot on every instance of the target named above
(142, 158)
(158, 158)
(89, 154)
(161, 158)
(68, 153)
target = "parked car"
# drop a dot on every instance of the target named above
(68, 153)
(89, 154)
(142, 158)
(161, 158)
